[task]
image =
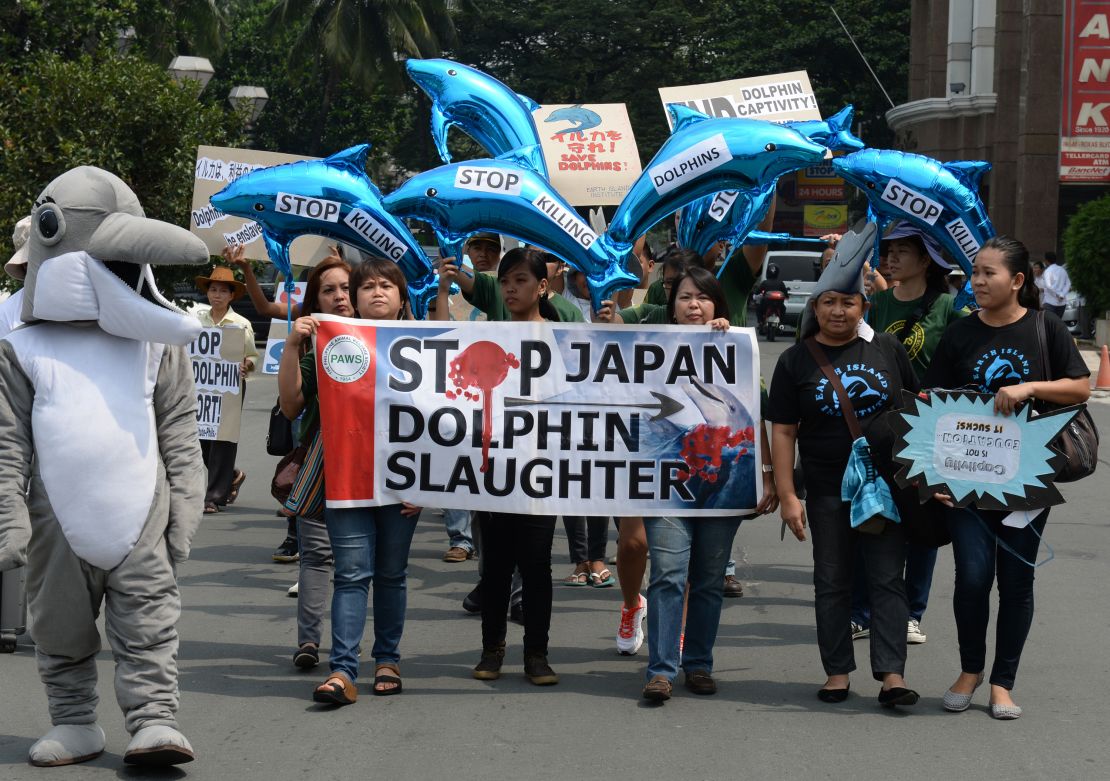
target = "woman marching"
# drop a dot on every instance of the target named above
(997, 350)
(369, 544)
(832, 376)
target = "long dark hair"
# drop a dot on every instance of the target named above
(311, 303)
(535, 263)
(936, 276)
(1015, 256)
(379, 268)
(707, 283)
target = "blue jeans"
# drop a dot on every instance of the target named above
(693, 550)
(979, 561)
(458, 529)
(369, 544)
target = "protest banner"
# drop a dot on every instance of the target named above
(542, 418)
(590, 151)
(216, 166)
(216, 354)
(821, 219)
(954, 443)
(779, 97)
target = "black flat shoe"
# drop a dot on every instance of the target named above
(833, 695)
(888, 698)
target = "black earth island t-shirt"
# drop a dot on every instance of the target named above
(873, 374)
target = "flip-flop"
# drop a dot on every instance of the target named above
(210, 509)
(380, 678)
(237, 480)
(576, 579)
(603, 579)
(342, 692)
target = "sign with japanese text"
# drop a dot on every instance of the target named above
(590, 151)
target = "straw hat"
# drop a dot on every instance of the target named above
(16, 268)
(225, 275)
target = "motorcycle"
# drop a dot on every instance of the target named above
(773, 308)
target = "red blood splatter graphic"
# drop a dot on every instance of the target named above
(482, 365)
(703, 445)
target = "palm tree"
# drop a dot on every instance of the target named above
(367, 40)
(172, 27)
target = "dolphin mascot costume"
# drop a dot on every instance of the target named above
(101, 478)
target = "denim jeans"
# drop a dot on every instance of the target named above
(920, 562)
(835, 548)
(693, 550)
(369, 544)
(979, 561)
(458, 529)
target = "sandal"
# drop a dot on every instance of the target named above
(603, 579)
(381, 679)
(338, 689)
(658, 689)
(307, 656)
(237, 480)
(701, 682)
(210, 508)
(576, 579)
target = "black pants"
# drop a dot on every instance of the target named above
(516, 541)
(980, 562)
(835, 544)
(219, 458)
(586, 537)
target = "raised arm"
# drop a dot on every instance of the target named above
(271, 309)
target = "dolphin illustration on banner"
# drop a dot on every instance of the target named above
(705, 156)
(584, 118)
(479, 105)
(940, 198)
(334, 198)
(505, 195)
(730, 217)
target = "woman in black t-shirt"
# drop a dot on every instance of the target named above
(804, 409)
(996, 350)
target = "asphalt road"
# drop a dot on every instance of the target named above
(249, 715)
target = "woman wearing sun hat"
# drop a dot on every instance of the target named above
(222, 288)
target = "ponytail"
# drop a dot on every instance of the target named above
(1015, 256)
(548, 310)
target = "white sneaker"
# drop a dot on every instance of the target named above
(859, 632)
(914, 635)
(294, 590)
(630, 633)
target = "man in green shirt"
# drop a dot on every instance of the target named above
(484, 293)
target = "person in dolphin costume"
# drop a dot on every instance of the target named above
(99, 368)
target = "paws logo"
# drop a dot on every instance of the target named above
(999, 368)
(345, 358)
(867, 387)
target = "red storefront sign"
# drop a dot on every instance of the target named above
(1085, 131)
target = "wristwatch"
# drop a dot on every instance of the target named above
(768, 468)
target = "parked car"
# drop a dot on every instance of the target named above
(1072, 319)
(799, 269)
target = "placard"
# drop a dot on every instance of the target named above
(540, 418)
(954, 443)
(778, 97)
(216, 354)
(215, 167)
(590, 151)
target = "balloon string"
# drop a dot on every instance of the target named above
(290, 286)
(1006, 547)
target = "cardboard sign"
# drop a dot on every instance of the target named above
(590, 151)
(216, 354)
(954, 443)
(216, 166)
(779, 97)
(580, 419)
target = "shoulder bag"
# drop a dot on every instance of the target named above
(279, 436)
(1078, 441)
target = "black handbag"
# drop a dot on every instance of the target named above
(1078, 440)
(279, 437)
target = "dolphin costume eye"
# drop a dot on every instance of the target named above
(770, 147)
(259, 207)
(50, 224)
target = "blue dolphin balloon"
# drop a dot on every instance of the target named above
(481, 106)
(940, 198)
(584, 118)
(705, 156)
(333, 198)
(504, 195)
(731, 216)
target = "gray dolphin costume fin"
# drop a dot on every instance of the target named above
(844, 274)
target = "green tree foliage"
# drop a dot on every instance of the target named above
(122, 114)
(68, 28)
(1088, 254)
(170, 27)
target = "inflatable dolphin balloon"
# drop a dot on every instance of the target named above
(940, 198)
(506, 196)
(334, 198)
(705, 156)
(481, 106)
